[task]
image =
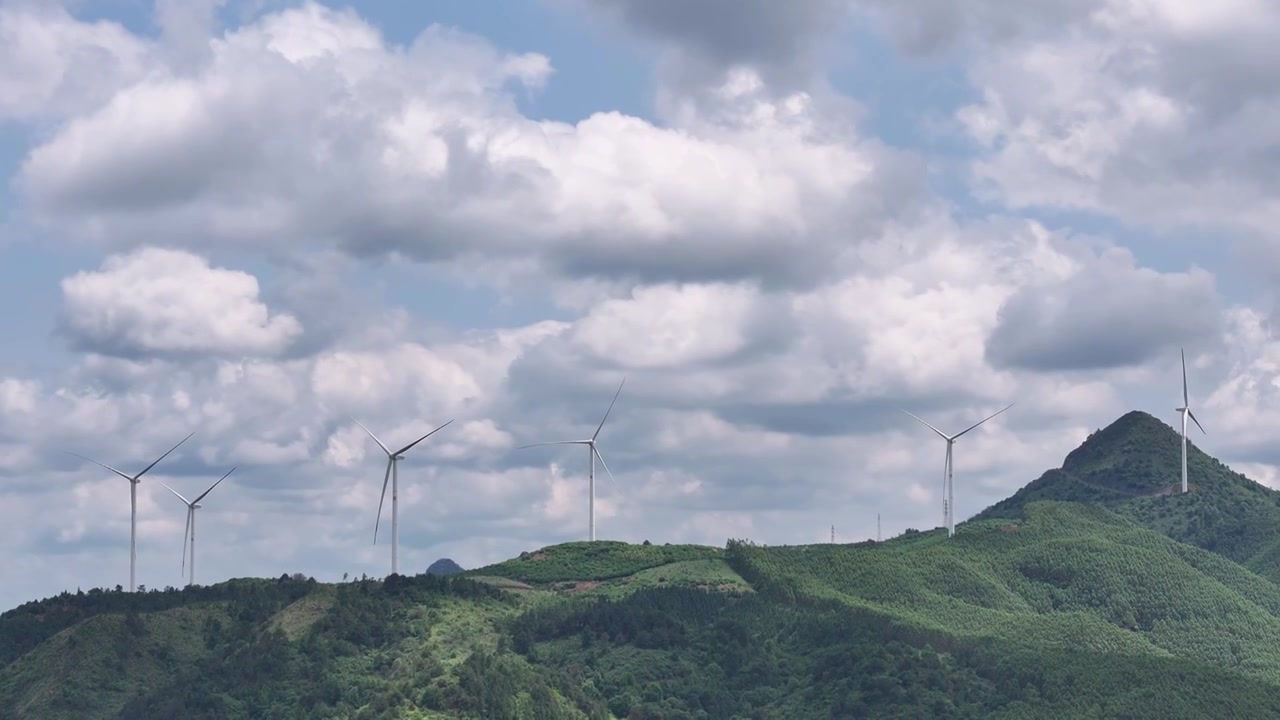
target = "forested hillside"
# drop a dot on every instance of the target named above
(1134, 467)
(1040, 609)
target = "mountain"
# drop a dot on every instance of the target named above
(444, 566)
(1134, 467)
(1088, 594)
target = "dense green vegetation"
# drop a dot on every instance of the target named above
(1087, 595)
(1134, 467)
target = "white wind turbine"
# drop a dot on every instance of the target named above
(593, 452)
(133, 503)
(190, 532)
(392, 474)
(948, 488)
(1185, 411)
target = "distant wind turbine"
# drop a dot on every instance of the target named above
(133, 503)
(190, 532)
(948, 488)
(1185, 411)
(593, 452)
(392, 474)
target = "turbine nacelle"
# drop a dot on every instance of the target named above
(1188, 413)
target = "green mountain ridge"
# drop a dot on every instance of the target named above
(1090, 593)
(1134, 468)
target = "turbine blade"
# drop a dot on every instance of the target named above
(1185, 400)
(1006, 407)
(406, 448)
(95, 462)
(606, 412)
(385, 479)
(375, 437)
(1197, 422)
(940, 433)
(157, 462)
(602, 462)
(186, 535)
(558, 442)
(185, 501)
(211, 487)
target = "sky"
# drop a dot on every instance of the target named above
(256, 220)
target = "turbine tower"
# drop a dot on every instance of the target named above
(948, 489)
(593, 452)
(133, 504)
(392, 474)
(190, 532)
(1185, 411)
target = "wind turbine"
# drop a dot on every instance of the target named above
(1185, 411)
(190, 532)
(948, 488)
(593, 452)
(393, 459)
(133, 503)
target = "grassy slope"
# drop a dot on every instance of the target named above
(593, 561)
(612, 569)
(298, 617)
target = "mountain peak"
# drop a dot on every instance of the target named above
(1134, 467)
(444, 566)
(1137, 456)
(1136, 436)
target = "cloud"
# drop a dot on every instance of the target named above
(1109, 313)
(776, 39)
(306, 129)
(163, 301)
(186, 28)
(55, 64)
(828, 361)
(674, 327)
(1158, 113)
(1243, 409)
(931, 26)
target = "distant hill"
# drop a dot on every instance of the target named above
(444, 566)
(1134, 467)
(1075, 598)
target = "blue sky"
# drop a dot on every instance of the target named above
(778, 227)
